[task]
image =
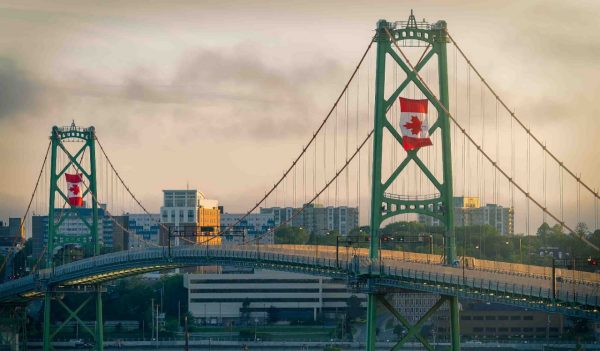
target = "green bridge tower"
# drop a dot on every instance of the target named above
(57, 239)
(385, 205)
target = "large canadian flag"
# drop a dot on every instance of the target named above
(413, 123)
(74, 189)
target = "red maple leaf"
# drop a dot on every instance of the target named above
(74, 189)
(414, 125)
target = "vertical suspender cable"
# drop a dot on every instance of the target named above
(528, 182)
(347, 135)
(545, 171)
(356, 139)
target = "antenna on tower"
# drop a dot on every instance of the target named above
(412, 22)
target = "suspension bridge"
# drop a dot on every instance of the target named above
(461, 138)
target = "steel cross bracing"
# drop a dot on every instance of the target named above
(421, 272)
(74, 162)
(385, 205)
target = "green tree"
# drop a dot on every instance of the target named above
(354, 308)
(291, 235)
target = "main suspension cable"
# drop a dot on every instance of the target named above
(337, 174)
(37, 182)
(514, 116)
(312, 139)
(492, 161)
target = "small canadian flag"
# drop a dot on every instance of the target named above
(413, 123)
(74, 189)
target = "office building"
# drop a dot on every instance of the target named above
(144, 229)
(189, 209)
(316, 218)
(220, 298)
(11, 234)
(250, 226)
(74, 231)
(468, 211)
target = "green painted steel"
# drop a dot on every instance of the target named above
(383, 46)
(88, 136)
(385, 205)
(440, 27)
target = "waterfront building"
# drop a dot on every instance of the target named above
(252, 295)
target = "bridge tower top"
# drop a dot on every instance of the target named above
(73, 191)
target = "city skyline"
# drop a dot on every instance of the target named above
(156, 96)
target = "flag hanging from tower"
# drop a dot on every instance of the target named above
(414, 124)
(74, 189)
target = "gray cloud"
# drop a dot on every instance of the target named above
(17, 92)
(215, 94)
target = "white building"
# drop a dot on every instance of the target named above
(215, 298)
(468, 211)
(180, 206)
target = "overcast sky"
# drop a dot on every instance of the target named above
(194, 92)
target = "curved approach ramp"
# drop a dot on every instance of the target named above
(577, 294)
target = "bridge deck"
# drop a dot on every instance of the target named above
(576, 295)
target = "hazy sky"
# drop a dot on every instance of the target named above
(200, 92)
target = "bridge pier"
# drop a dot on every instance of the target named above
(13, 327)
(97, 333)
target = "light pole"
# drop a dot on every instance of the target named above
(255, 324)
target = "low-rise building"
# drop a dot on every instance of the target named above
(480, 320)
(220, 298)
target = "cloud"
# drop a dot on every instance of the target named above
(211, 93)
(17, 91)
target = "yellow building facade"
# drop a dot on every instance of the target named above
(209, 219)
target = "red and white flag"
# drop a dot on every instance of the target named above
(74, 189)
(414, 124)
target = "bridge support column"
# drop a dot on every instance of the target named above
(371, 321)
(99, 320)
(454, 323)
(47, 336)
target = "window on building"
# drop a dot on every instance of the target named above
(465, 318)
(490, 318)
(477, 330)
(527, 330)
(478, 318)
(503, 329)
(527, 318)
(515, 318)
(490, 330)
(515, 330)
(502, 318)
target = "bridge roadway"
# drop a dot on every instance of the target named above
(574, 297)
